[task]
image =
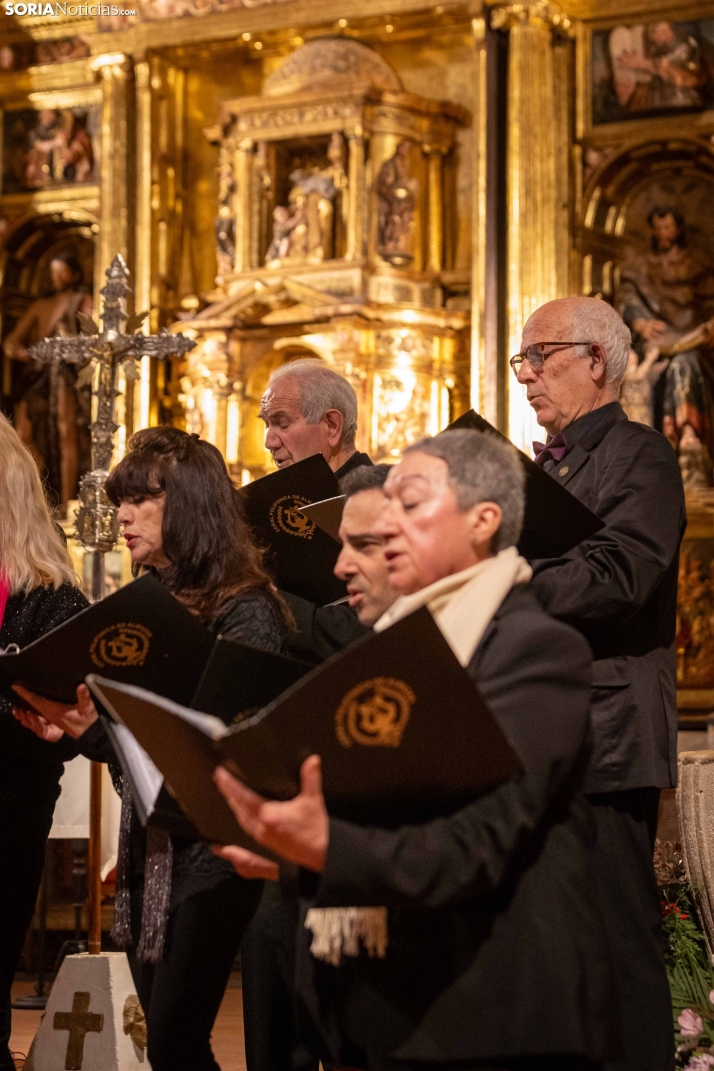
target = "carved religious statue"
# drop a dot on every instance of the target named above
(396, 194)
(303, 230)
(667, 297)
(53, 414)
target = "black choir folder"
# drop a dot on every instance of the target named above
(402, 731)
(237, 681)
(301, 555)
(139, 635)
(555, 521)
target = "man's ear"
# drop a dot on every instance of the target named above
(598, 361)
(485, 521)
(335, 422)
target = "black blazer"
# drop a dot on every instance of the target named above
(320, 631)
(27, 617)
(619, 588)
(496, 945)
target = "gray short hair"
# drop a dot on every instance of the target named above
(482, 468)
(599, 322)
(321, 388)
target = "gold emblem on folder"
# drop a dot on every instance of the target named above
(285, 516)
(124, 644)
(375, 713)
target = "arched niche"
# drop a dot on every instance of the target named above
(30, 245)
(622, 184)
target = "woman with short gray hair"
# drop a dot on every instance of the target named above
(473, 940)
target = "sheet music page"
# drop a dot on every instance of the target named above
(147, 779)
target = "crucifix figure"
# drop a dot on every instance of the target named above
(80, 1022)
(52, 416)
(98, 355)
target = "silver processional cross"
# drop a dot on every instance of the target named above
(98, 355)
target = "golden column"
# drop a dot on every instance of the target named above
(434, 154)
(483, 379)
(356, 189)
(243, 171)
(115, 237)
(537, 160)
(142, 276)
(115, 72)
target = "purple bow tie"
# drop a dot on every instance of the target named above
(555, 448)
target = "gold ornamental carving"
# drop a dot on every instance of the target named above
(540, 13)
(334, 63)
(332, 238)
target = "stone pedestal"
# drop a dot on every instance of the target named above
(93, 1021)
(695, 802)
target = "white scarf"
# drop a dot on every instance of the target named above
(463, 606)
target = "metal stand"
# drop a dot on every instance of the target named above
(99, 354)
(79, 873)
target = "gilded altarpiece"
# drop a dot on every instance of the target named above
(330, 243)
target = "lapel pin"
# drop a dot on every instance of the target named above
(564, 471)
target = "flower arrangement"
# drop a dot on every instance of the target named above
(689, 966)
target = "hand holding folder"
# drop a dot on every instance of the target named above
(403, 734)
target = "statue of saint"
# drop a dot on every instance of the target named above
(304, 229)
(53, 415)
(396, 193)
(663, 297)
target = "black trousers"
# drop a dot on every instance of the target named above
(626, 830)
(272, 1037)
(182, 994)
(27, 803)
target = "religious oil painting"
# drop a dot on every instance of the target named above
(652, 69)
(49, 147)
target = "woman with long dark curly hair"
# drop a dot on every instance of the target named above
(180, 911)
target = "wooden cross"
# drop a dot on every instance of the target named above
(80, 1022)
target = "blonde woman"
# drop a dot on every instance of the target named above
(38, 591)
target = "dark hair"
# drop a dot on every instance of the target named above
(364, 478)
(205, 537)
(659, 212)
(70, 258)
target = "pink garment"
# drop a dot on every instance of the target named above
(4, 596)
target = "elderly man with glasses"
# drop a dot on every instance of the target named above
(619, 588)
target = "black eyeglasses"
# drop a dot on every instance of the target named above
(535, 356)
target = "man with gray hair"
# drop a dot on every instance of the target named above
(308, 409)
(619, 588)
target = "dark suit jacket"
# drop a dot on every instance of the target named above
(619, 588)
(321, 631)
(496, 945)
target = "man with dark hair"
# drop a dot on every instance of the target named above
(271, 1038)
(324, 630)
(52, 416)
(662, 297)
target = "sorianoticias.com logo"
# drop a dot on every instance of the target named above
(85, 10)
